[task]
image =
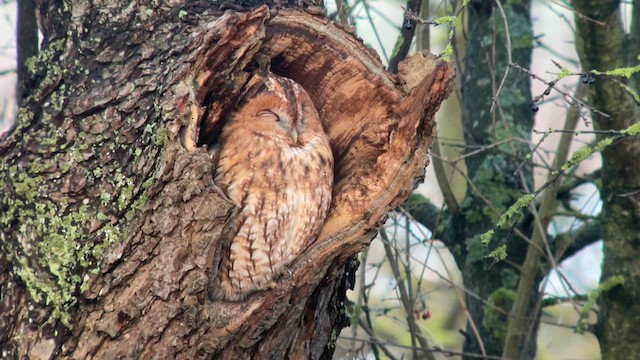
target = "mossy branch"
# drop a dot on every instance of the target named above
(513, 213)
(583, 321)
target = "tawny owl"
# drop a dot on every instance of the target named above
(276, 165)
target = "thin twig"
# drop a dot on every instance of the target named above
(375, 30)
(582, 16)
(444, 352)
(580, 132)
(508, 46)
(373, 340)
(532, 258)
(343, 12)
(461, 297)
(404, 296)
(413, 17)
(474, 188)
(555, 87)
(359, 304)
(444, 181)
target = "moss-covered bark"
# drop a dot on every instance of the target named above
(495, 187)
(601, 47)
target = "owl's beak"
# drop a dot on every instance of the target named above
(293, 133)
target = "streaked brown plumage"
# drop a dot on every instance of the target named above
(276, 165)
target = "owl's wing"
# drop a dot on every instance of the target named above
(220, 259)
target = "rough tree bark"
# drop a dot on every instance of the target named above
(110, 217)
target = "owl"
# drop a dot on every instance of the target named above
(276, 165)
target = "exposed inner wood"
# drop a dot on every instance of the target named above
(380, 128)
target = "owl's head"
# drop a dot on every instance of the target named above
(278, 108)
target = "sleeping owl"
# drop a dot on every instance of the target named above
(276, 165)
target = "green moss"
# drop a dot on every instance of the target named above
(84, 287)
(507, 219)
(46, 56)
(515, 211)
(48, 141)
(583, 321)
(105, 198)
(499, 253)
(62, 252)
(447, 52)
(160, 137)
(27, 187)
(31, 63)
(633, 130)
(25, 117)
(66, 166)
(62, 247)
(487, 236)
(445, 20)
(493, 185)
(58, 237)
(564, 72)
(149, 129)
(58, 98)
(584, 153)
(333, 340)
(147, 184)
(495, 318)
(126, 195)
(28, 276)
(626, 72)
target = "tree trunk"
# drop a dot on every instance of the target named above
(111, 220)
(600, 47)
(494, 173)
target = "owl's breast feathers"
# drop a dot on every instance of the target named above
(283, 193)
